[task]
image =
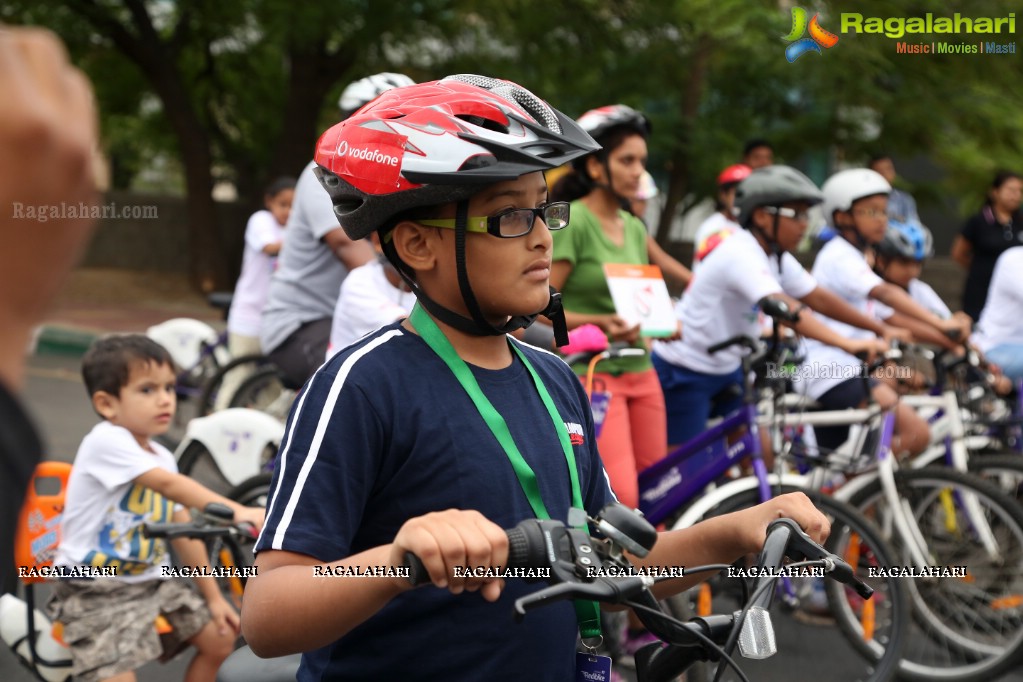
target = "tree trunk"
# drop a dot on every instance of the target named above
(678, 180)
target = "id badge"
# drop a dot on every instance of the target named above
(599, 401)
(592, 668)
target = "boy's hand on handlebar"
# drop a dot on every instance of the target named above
(452, 539)
(891, 333)
(870, 348)
(795, 506)
(252, 515)
(957, 328)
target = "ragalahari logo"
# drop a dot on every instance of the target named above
(818, 36)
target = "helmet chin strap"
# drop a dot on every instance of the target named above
(772, 244)
(478, 325)
(858, 239)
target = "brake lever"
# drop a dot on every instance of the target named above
(610, 590)
(801, 547)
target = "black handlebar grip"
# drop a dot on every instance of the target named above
(522, 550)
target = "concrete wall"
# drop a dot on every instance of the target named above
(158, 243)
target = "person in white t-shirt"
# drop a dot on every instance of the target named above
(371, 296)
(263, 237)
(745, 267)
(855, 205)
(1000, 328)
(121, 479)
(315, 259)
(722, 219)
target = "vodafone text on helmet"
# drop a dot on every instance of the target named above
(366, 154)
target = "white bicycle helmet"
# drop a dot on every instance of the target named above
(844, 188)
(363, 91)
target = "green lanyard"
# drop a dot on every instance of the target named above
(587, 612)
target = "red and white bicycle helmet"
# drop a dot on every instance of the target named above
(363, 91)
(439, 142)
(598, 121)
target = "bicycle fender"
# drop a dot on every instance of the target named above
(236, 439)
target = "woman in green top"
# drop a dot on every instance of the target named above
(634, 434)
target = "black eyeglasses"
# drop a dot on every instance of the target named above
(515, 222)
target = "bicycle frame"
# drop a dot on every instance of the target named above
(682, 476)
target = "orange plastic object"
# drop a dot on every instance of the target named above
(39, 523)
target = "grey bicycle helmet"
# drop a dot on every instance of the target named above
(773, 186)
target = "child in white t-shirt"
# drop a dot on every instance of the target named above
(744, 267)
(855, 205)
(1000, 328)
(371, 296)
(121, 480)
(263, 237)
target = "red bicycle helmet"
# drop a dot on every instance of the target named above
(439, 142)
(734, 174)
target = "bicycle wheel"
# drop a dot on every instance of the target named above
(851, 638)
(252, 492)
(964, 628)
(210, 390)
(1004, 470)
(259, 391)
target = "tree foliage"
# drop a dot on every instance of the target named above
(239, 91)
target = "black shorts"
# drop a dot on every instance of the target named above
(850, 394)
(302, 353)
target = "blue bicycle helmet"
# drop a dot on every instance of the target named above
(911, 241)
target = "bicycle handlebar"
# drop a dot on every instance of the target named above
(217, 520)
(589, 568)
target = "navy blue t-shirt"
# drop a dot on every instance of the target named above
(384, 433)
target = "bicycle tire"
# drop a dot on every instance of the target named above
(883, 654)
(252, 392)
(208, 396)
(253, 491)
(1004, 470)
(936, 649)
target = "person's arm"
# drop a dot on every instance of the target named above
(48, 137)
(191, 493)
(810, 327)
(272, 249)
(722, 539)
(193, 553)
(921, 332)
(901, 302)
(320, 610)
(830, 304)
(671, 268)
(962, 252)
(351, 253)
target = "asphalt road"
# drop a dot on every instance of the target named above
(63, 413)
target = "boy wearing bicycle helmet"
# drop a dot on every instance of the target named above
(738, 270)
(393, 446)
(855, 205)
(121, 480)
